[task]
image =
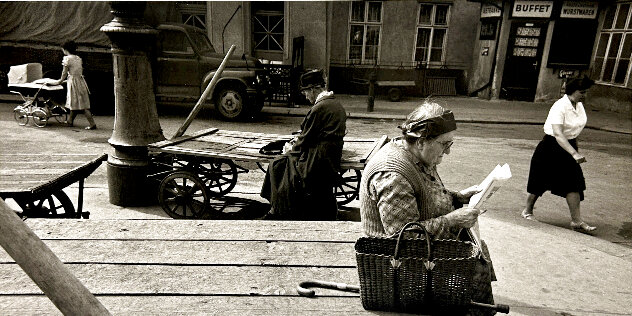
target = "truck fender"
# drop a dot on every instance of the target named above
(227, 76)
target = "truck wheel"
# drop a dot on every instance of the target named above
(230, 103)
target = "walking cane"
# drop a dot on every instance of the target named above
(304, 289)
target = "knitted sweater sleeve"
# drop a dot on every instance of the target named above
(397, 204)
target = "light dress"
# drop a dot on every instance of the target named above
(78, 95)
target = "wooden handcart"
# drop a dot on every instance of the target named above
(194, 169)
(36, 182)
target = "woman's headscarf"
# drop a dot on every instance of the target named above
(428, 121)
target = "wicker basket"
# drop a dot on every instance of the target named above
(413, 274)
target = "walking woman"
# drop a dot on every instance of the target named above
(555, 165)
(78, 95)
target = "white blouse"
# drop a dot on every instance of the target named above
(563, 113)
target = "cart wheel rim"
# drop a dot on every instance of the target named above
(56, 205)
(347, 188)
(219, 176)
(182, 195)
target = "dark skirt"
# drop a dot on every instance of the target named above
(300, 185)
(553, 169)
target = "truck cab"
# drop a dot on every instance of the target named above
(185, 61)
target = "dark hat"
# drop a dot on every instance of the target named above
(312, 78)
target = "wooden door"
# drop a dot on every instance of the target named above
(523, 61)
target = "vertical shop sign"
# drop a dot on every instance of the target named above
(532, 9)
(579, 9)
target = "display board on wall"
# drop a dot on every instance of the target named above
(488, 29)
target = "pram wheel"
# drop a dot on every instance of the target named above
(21, 116)
(60, 114)
(40, 118)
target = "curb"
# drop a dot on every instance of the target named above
(379, 116)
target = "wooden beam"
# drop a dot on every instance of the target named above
(41, 265)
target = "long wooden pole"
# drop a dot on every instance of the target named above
(43, 267)
(207, 91)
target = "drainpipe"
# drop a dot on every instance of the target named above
(226, 25)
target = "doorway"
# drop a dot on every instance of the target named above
(522, 64)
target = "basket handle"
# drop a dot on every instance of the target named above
(395, 261)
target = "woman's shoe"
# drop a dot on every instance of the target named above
(582, 227)
(92, 127)
(528, 216)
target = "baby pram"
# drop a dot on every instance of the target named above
(37, 98)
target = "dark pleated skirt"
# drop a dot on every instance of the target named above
(553, 169)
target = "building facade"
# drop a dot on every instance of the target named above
(411, 41)
(527, 50)
(493, 49)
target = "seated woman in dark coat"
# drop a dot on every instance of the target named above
(299, 185)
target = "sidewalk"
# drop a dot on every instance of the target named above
(469, 110)
(466, 109)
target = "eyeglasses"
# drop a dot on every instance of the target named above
(446, 145)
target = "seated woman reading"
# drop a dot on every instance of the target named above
(400, 184)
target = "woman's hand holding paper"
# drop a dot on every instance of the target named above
(464, 217)
(465, 194)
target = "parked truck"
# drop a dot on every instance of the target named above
(183, 60)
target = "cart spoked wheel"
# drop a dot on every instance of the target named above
(219, 176)
(40, 118)
(21, 116)
(56, 205)
(182, 195)
(346, 190)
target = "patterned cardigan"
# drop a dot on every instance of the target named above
(395, 190)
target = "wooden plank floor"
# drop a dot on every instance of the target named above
(162, 267)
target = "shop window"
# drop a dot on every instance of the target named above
(572, 43)
(193, 13)
(432, 30)
(614, 50)
(365, 26)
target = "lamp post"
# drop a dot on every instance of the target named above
(135, 119)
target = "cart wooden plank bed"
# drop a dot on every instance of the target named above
(36, 182)
(195, 168)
